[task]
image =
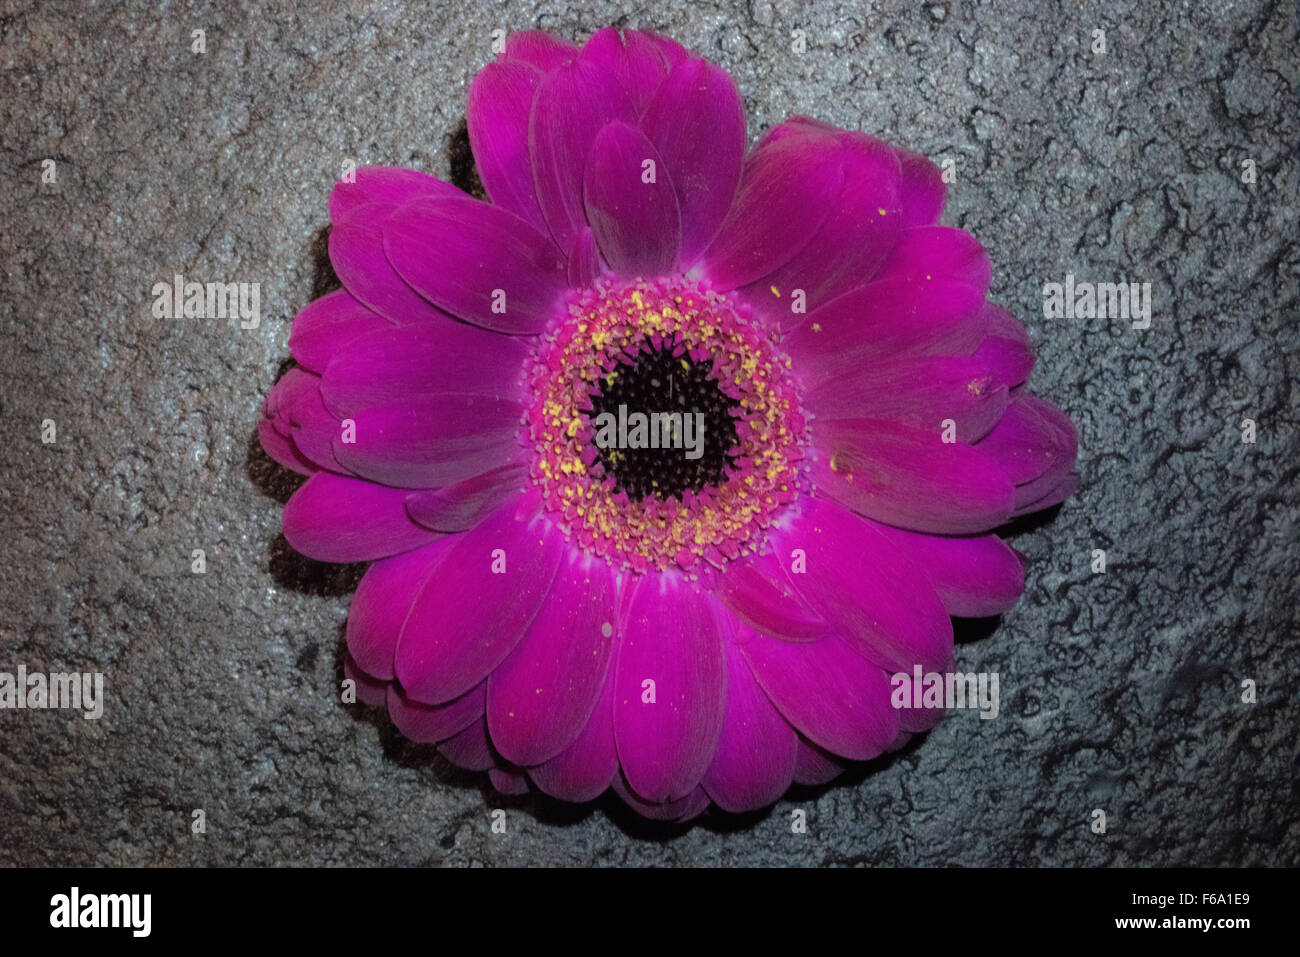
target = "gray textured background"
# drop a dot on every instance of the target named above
(1119, 692)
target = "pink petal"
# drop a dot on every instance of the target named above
(1033, 443)
(757, 590)
(392, 185)
(886, 320)
(786, 192)
(634, 59)
(679, 810)
(467, 618)
(670, 638)
(470, 749)
(337, 519)
(939, 252)
(543, 694)
(910, 477)
(974, 577)
(381, 603)
(282, 449)
(861, 584)
(543, 50)
(479, 262)
(370, 691)
(431, 723)
(465, 504)
(585, 265)
(827, 691)
(356, 247)
(923, 190)
(815, 766)
(572, 105)
(585, 769)
(508, 781)
(500, 102)
(1008, 350)
(696, 120)
(755, 759)
(326, 327)
(403, 361)
(427, 441)
(636, 224)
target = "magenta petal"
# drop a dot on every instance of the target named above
(925, 253)
(1028, 500)
(543, 694)
(282, 450)
(468, 616)
(1008, 350)
(585, 769)
(1034, 440)
(636, 224)
(921, 391)
(923, 190)
(310, 425)
(427, 441)
(634, 59)
(974, 577)
(671, 652)
(337, 519)
(539, 48)
(828, 691)
(585, 265)
(815, 766)
(865, 589)
(465, 504)
(697, 122)
(910, 477)
(470, 749)
(755, 758)
(854, 241)
(477, 261)
(508, 781)
(572, 105)
(757, 590)
(427, 358)
(370, 690)
(786, 192)
(431, 723)
(381, 603)
(885, 320)
(500, 102)
(384, 184)
(356, 247)
(327, 326)
(679, 810)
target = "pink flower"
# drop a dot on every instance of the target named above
(710, 620)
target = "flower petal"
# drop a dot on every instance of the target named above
(282, 450)
(1033, 443)
(428, 441)
(910, 477)
(333, 518)
(1008, 350)
(696, 121)
(458, 507)
(431, 723)
(923, 190)
(828, 691)
(815, 766)
(786, 192)
(500, 102)
(539, 48)
(381, 603)
(477, 261)
(634, 59)
(861, 584)
(427, 358)
(370, 690)
(470, 749)
(328, 325)
(392, 185)
(477, 604)
(974, 577)
(585, 769)
(543, 694)
(755, 758)
(671, 688)
(356, 247)
(757, 590)
(636, 224)
(573, 104)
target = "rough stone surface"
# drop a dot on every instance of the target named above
(1120, 691)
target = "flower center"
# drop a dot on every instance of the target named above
(665, 429)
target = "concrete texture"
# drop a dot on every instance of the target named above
(1120, 691)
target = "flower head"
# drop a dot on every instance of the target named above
(669, 456)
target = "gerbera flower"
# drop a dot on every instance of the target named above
(552, 598)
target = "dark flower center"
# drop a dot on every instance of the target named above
(661, 425)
